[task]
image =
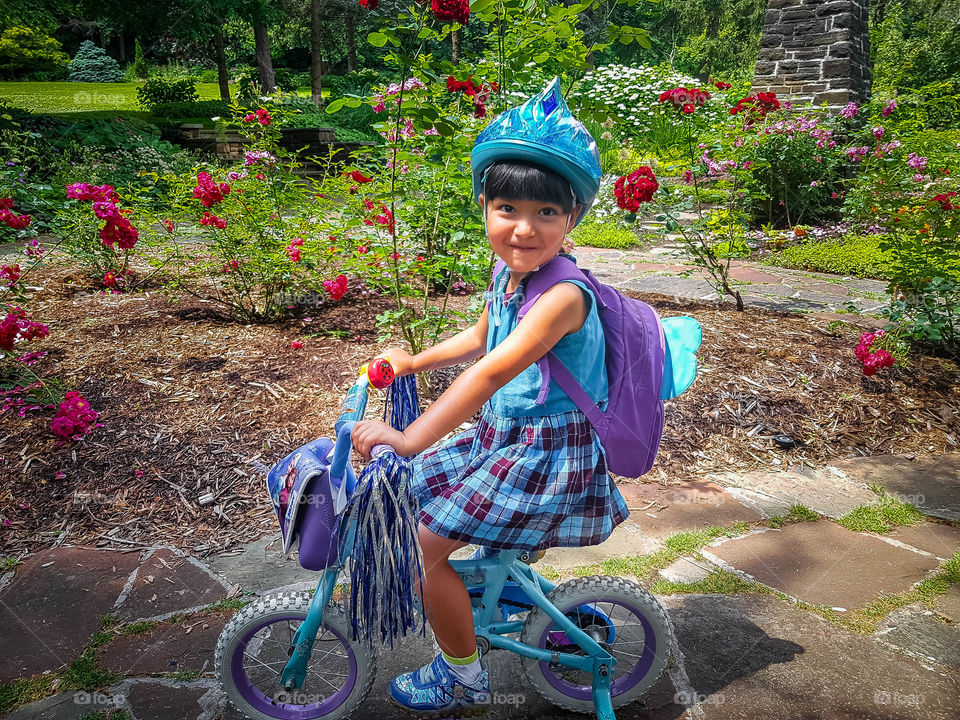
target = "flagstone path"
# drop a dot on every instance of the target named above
(758, 654)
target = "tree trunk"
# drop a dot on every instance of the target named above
(122, 47)
(316, 61)
(455, 52)
(351, 41)
(222, 77)
(264, 62)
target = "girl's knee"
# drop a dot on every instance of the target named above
(436, 547)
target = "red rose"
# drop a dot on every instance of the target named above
(635, 188)
(456, 10)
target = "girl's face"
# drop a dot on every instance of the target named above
(526, 233)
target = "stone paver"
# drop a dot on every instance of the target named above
(691, 287)
(936, 538)
(54, 604)
(824, 563)
(923, 634)
(686, 570)
(932, 484)
(259, 566)
(756, 657)
(167, 582)
(948, 604)
(820, 490)
(663, 510)
(72, 705)
(628, 538)
(647, 267)
(170, 647)
(156, 701)
(746, 274)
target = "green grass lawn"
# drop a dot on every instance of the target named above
(57, 98)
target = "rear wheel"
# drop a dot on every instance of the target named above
(623, 618)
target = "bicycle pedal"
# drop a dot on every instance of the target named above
(531, 557)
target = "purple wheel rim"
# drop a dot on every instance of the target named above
(267, 705)
(621, 681)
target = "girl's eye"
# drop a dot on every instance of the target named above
(549, 211)
(506, 208)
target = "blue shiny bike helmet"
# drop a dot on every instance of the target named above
(544, 132)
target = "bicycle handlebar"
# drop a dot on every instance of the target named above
(353, 409)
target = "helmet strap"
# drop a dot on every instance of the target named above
(485, 200)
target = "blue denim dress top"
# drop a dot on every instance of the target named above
(527, 476)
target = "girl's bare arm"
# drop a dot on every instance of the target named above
(561, 310)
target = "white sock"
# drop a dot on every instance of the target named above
(466, 669)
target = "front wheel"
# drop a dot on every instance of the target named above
(621, 617)
(253, 650)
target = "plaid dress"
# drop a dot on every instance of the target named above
(518, 479)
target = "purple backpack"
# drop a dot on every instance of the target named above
(631, 425)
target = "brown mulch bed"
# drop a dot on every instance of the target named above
(194, 402)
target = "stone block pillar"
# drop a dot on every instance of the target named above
(815, 51)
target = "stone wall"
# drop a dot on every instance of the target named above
(310, 142)
(815, 51)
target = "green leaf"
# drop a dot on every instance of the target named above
(336, 105)
(377, 39)
(671, 225)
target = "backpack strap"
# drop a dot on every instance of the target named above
(559, 269)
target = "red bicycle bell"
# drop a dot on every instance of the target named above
(380, 373)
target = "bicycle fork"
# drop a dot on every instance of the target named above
(295, 671)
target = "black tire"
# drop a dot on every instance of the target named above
(637, 668)
(266, 625)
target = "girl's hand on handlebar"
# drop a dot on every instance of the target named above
(401, 360)
(368, 433)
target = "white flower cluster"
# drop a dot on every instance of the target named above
(633, 94)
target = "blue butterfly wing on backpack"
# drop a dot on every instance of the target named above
(682, 336)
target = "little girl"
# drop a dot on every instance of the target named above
(528, 475)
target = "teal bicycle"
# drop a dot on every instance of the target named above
(590, 645)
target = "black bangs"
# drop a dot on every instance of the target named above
(515, 180)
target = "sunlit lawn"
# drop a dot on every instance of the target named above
(67, 97)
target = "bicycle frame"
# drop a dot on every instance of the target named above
(494, 574)
(489, 576)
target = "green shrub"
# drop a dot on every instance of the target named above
(179, 71)
(248, 86)
(353, 124)
(209, 76)
(604, 235)
(52, 153)
(855, 255)
(347, 135)
(289, 81)
(28, 50)
(140, 67)
(198, 109)
(732, 248)
(92, 64)
(160, 90)
(787, 187)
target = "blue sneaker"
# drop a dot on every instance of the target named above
(434, 691)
